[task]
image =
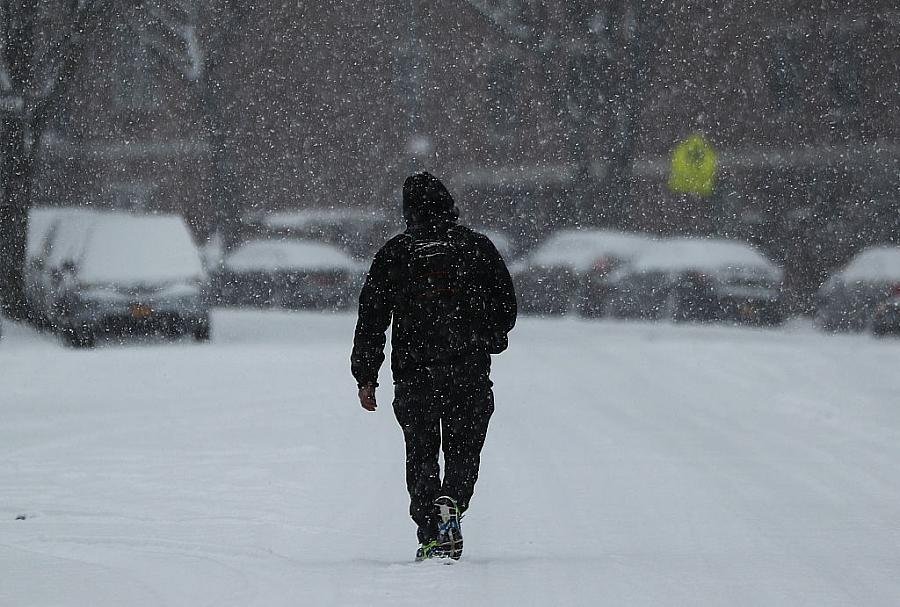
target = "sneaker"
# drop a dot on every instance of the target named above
(449, 540)
(426, 550)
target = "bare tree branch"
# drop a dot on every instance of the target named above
(68, 52)
(5, 80)
(174, 39)
(506, 18)
(37, 68)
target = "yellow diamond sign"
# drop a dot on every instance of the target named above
(693, 166)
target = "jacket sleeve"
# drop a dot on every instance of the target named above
(496, 292)
(505, 307)
(375, 311)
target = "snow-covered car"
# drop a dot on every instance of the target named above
(850, 296)
(112, 273)
(43, 225)
(569, 269)
(704, 279)
(287, 273)
(358, 231)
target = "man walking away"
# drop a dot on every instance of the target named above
(449, 296)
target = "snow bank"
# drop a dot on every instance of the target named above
(638, 464)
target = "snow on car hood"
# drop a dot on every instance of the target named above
(273, 255)
(307, 217)
(580, 249)
(138, 250)
(874, 264)
(704, 255)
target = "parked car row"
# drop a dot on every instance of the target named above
(287, 273)
(697, 279)
(566, 270)
(92, 273)
(626, 275)
(359, 232)
(595, 272)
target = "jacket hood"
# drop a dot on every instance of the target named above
(427, 201)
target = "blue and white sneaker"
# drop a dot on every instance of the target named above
(449, 540)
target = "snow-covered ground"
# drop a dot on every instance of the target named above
(627, 465)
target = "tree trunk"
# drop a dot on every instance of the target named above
(15, 183)
(22, 130)
(227, 212)
(633, 85)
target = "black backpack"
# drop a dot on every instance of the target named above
(438, 298)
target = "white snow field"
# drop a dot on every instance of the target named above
(627, 465)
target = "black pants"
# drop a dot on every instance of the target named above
(447, 407)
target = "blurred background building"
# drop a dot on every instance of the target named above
(537, 114)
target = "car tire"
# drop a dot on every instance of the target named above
(589, 307)
(773, 318)
(80, 337)
(201, 332)
(676, 309)
(830, 324)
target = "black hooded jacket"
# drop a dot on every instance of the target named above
(477, 320)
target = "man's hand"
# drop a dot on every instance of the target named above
(367, 397)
